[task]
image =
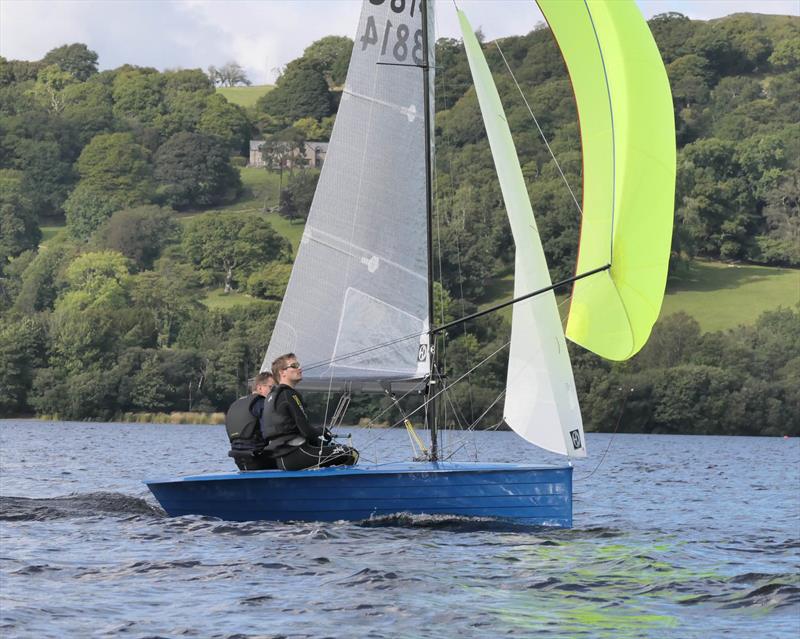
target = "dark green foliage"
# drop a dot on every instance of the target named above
(139, 234)
(194, 170)
(269, 282)
(139, 96)
(329, 55)
(227, 122)
(296, 196)
(737, 382)
(19, 230)
(301, 92)
(44, 278)
(22, 348)
(115, 174)
(76, 59)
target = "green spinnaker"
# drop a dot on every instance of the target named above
(628, 143)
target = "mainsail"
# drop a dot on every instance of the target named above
(628, 143)
(541, 403)
(360, 278)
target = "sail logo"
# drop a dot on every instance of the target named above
(372, 263)
(422, 354)
(576, 438)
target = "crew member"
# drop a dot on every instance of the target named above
(243, 423)
(294, 442)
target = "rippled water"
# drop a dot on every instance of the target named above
(674, 537)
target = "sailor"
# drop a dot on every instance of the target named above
(294, 442)
(243, 423)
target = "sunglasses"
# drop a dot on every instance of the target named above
(295, 365)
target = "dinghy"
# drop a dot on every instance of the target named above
(358, 310)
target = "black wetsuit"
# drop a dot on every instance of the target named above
(293, 441)
(243, 424)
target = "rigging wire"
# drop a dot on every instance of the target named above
(616, 428)
(541, 133)
(426, 401)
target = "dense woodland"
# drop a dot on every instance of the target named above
(106, 318)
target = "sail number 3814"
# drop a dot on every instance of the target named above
(395, 39)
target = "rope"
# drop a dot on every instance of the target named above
(541, 133)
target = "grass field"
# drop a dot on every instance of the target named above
(245, 96)
(721, 296)
(49, 232)
(217, 299)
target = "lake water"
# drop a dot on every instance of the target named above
(674, 537)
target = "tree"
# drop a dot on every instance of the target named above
(88, 109)
(714, 199)
(228, 75)
(186, 81)
(139, 233)
(228, 246)
(226, 121)
(19, 230)
(671, 31)
(283, 150)
(139, 96)
(301, 92)
(296, 197)
(313, 130)
(270, 281)
(50, 85)
(194, 170)
(48, 175)
(167, 299)
(76, 59)
(96, 280)
(782, 215)
(115, 174)
(330, 55)
(22, 346)
(44, 278)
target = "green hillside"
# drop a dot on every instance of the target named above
(245, 96)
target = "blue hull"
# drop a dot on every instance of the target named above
(535, 495)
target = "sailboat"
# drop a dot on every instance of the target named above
(358, 310)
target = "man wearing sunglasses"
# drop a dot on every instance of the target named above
(293, 441)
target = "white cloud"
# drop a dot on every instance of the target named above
(261, 35)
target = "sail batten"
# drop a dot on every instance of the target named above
(541, 403)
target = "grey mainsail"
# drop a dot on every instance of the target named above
(360, 278)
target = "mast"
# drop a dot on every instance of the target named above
(430, 394)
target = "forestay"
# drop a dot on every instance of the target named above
(360, 278)
(541, 403)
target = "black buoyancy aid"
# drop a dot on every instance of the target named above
(242, 426)
(275, 423)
